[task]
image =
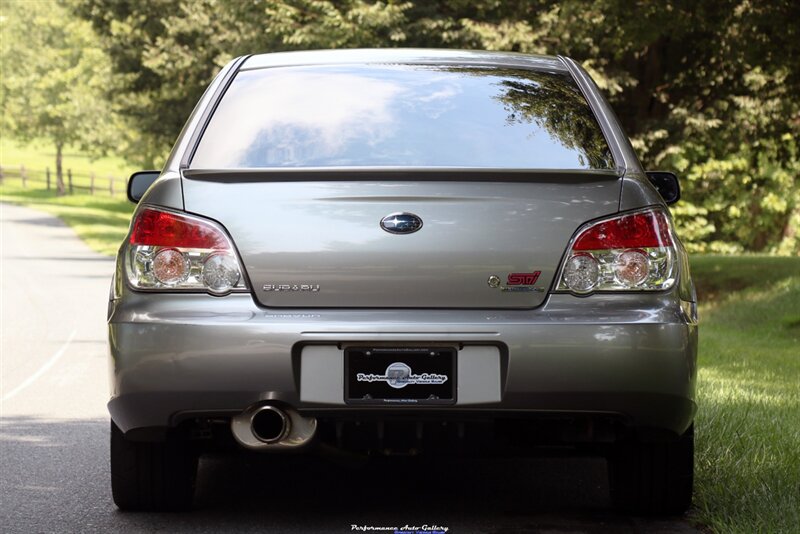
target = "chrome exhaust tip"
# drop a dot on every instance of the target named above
(269, 424)
(268, 427)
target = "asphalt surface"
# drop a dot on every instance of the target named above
(54, 437)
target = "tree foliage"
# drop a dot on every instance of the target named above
(706, 87)
(559, 109)
(53, 79)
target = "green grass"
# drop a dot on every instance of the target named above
(718, 276)
(100, 219)
(39, 155)
(748, 425)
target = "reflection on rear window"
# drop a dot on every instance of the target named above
(402, 115)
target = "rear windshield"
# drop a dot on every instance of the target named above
(402, 115)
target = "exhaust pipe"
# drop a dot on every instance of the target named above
(269, 424)
(268, 427)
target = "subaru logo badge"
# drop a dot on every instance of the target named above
(401, 223)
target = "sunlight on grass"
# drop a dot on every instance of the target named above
(717, 387)
(39, 155)
(102, 222)
(748, 426)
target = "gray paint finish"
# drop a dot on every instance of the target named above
(619, 143)
(638, 191)
(633, 355)
(195, 121)
(166, 191)
(328, 233)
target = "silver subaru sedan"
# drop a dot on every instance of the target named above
(403, 252)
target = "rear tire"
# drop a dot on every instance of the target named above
(152, 477)
(653, 478)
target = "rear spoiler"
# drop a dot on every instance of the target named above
(403, 174)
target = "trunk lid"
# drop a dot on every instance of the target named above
(313, 238)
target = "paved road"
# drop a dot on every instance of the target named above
(54, 433)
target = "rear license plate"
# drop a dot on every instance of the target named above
(400, 375)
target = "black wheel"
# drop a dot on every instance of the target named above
(653, 478)
(152, 477)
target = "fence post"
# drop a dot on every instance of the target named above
(111, 185)
(47, 172)
(69, 177)
(22, 175)
(91, 184)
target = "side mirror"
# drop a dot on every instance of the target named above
(139, 182)
(667, 185)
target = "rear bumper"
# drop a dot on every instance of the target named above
(631, 357)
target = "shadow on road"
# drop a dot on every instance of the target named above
(51, 222)
(55, 478)
(102, 259)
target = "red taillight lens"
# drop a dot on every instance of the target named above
(628, 252)
(170, 251)
(165, 229)
(639, 230)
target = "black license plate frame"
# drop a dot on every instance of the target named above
(416, 373)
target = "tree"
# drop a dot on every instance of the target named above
(705, 87)
(164, 53)
(53, 79)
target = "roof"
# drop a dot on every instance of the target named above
(415, 56)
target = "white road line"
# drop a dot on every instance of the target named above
(43, 369)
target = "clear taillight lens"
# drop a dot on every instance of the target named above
(631, 252)
(174, 251)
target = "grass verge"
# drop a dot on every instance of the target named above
(39, 155)
(748, 425)
(101, 222)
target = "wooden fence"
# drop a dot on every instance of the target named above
(74, 182)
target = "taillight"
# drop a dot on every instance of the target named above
(631, 252)
(174, 251)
